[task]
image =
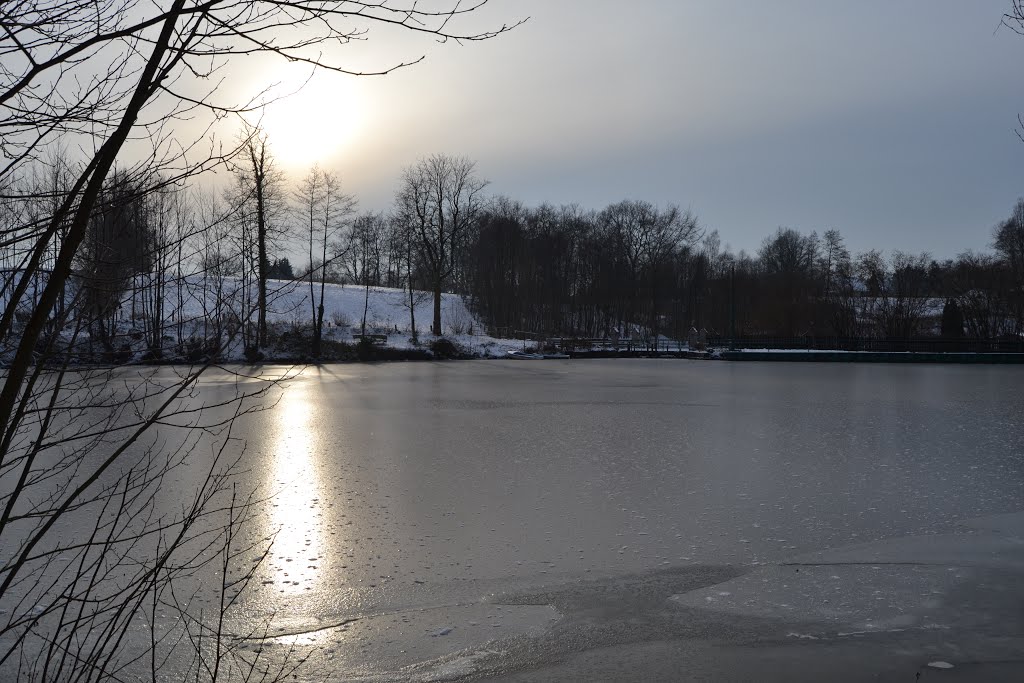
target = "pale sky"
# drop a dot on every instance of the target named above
(891, 120)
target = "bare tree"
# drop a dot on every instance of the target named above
(113, 255)
(324, 210)
(648, 238)
(897, 292)
(788, 260)
(1014, 20)
(439, 199)
(833, 260)
(216, 262)
(982, 295)
(364, 255)
(1009, 244)
(402, 237)
(259, 203)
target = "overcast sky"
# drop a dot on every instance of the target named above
(891, 120)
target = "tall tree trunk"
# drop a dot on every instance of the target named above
(261, 268)
(437, 307)
(319, 333)
(366, 305)
(315, 347)
(412, 313)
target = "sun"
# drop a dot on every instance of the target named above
(309, 119)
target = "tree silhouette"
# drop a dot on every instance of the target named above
(439, 199)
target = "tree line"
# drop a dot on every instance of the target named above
(639, 270)
(633, 266)
(631, 269)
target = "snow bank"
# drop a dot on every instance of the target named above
(196, 304)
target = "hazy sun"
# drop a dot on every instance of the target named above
(310, 119)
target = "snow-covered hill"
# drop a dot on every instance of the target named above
(198, 308)
(387, 312)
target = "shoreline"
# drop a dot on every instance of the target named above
(400, 355)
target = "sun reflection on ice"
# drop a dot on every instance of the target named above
(296, 508)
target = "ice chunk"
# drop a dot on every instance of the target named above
(940, 665)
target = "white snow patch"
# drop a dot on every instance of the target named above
(453, 669)
(805, 636)
(940, 665)
(204, 300)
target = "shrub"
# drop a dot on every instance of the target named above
(459, 322)
(197, 349)
(340, 319)
(444, 348)
(366, 350)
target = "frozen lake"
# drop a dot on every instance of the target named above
(486, 470)
(636, 520)
(434, 497)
